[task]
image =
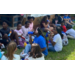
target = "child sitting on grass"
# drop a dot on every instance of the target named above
(20, 34)
(11, 48)
(35, 53)
(70, 32)
(63, 26)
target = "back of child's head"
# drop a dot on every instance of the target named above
(62, 22)
(48, 16)
(10, 50)
(61, 14)
(69, 26)
(35, 51)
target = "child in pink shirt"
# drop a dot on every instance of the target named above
(31, 19)
(20, 33)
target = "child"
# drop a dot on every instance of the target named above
(11, 48)
(56, 41)
(63, 26)
(35, 53)
(31, 19)
(20, 33)
(5, 32)
(70, 32)
(26, 28)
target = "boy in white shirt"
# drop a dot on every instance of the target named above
(70, 32)
(56, 41)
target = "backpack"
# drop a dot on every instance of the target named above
(65, 40)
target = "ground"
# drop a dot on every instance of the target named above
(68, 52)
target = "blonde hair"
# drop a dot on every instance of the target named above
(10, 50)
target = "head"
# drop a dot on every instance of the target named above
(31, 19)
(35, 51)
(45, 18)
(62, 15)
(58, 30)
(48, 17)
(68, 26)
(56, 16)
(27, 24)
(66, 14)
(11, 48)
(19, 25)
(5, 24)
(62, 23)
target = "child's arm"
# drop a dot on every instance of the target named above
(30, 39)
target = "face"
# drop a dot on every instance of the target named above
(66, 15)
(19, 26)
(62, 23)
(54, 31)
(56, 17)
(5, 25)
(31, 20)
(27, 25)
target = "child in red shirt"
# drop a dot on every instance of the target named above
(63, 26)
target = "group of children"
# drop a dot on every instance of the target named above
(33, 40)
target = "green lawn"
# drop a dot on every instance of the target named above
(68, 52)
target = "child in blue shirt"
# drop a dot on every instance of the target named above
(68, 20)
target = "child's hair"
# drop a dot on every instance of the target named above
(18, 23)
(35, 51)
(26, 22)
(30, 17)
(44, 20)
(10, 50)
(62, 21)
(41, 33)
(48, 16)
(59, 30)
(5, 21)
(68, 26)
(56, 15)
(61, 14)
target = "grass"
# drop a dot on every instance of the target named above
(68, 52)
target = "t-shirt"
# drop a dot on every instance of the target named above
(40, 58)
(71, 32)
(58, 40)
(42, 43)
(0, 54)
(31, 26)
(19, 32)
(16, 57)
(66, 17)
(25, 31)
(64, 28)
(3, 31)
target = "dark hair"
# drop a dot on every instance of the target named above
(5, 21)
(41, 33)
(18, 23)
(30, 17)
(36, 51)
(61, 14)
(44, 20)
(69, 26)
(26, 22)
(62, 21)
(59, 31)
(48, 16)
(56, 15)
